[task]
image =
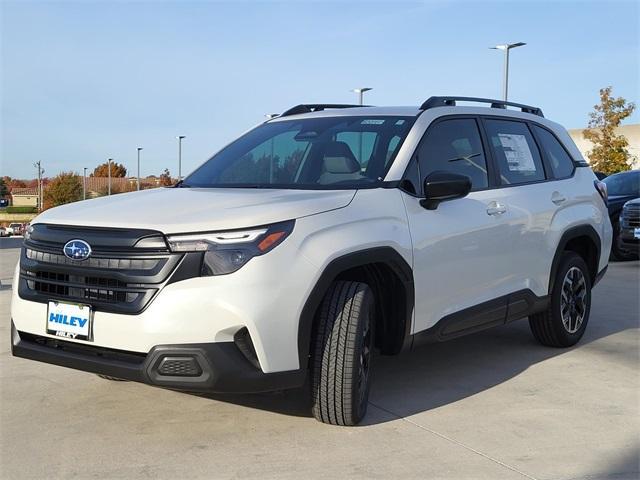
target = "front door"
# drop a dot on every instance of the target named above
(461, 249)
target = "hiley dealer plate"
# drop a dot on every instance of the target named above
(70, 320)
(636, 233)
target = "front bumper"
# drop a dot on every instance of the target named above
(629, 240)
(199, 367)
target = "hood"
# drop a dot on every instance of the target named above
(176, 210)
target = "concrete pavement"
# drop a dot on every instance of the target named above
(490, 406)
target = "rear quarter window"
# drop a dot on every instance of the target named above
(561, 163)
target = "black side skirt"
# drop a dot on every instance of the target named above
(489, 314)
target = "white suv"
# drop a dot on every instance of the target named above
(314, 238)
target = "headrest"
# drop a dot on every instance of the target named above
(338, 158)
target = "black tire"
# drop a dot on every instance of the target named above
(342, 351)
(618, 252)
(113, 379)
(548, 327)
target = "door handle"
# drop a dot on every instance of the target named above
(558, 198)
(496, 208)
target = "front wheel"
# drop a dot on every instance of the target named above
(564, 322)
(341, 360)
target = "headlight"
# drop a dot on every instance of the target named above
(226, 252)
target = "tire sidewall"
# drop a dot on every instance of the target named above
(571, 260)
(360, 399)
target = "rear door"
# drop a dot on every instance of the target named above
(462, 249)
(530, 198)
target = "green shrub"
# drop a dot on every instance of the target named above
(20, 210)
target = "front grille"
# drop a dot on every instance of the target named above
(631, 216)
(81, 287)
(117, 279)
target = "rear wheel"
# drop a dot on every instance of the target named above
(342, 354)
(564, 322)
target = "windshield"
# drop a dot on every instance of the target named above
(626, 183)
(325, 153)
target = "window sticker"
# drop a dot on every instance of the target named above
(372, 121)
(516, 150)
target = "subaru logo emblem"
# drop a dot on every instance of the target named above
(77, 250)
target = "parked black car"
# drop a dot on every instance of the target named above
(621, 187)
(630, 227)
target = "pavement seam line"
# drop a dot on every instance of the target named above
(456, 442)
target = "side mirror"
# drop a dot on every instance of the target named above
(443, 186)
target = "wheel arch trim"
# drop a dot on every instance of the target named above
(571, 234)
(387, 255)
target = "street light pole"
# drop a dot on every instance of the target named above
(360, 91)
(139, 148)
(180, 137)
(84, 183)
(270, 116)
(109, 170)
(40, 172)
(506, 47)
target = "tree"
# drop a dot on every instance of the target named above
(115, 189)
(4, 190)
(117, 170)
(609, 154)
(165, 178)
(65, 188)
(12, 183)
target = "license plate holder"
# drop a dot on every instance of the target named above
(70, 320)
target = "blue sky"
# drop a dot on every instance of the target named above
(84, 81)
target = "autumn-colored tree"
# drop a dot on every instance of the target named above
(117, 170)
(65, 188)
(609, 154)
(115, 189)
(165, 178)
(12, 183)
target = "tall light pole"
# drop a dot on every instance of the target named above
(109, 170)
(38, 165)
(139, 148)
(84, 183)
(360, 91)
(506, 47)
(180, 137)
(270, 116)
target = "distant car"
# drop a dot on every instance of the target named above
(621, 187)
(4, 202)
(3, 232)
(630, 228)
(15, 228)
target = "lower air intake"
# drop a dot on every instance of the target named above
(179, 367)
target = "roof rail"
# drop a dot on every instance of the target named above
(433, 102)
(316, 107)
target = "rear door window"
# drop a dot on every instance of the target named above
(515, 152)
(561, 162)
